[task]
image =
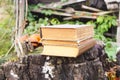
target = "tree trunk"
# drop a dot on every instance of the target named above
(87, 66)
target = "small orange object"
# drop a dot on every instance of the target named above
(34, 39)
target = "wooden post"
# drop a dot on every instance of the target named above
(21, 16)
(16, 26)
(20, 25)
(118, 29)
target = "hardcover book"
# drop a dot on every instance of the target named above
(71, 50)
(67, 32)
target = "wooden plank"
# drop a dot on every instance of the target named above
(70, 13)
(54, 12)
(56, 4)
(90, 8)
(77, 14)
(106, 12)
(76, 17)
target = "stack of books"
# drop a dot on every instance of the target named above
(67, 40)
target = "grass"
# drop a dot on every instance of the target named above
(6, 25)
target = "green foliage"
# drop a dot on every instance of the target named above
(105, 22)
(6, 24)
(102, 25)
(54, 21)
(35, 7)
(111, 50)
(6, 2)
(5, 33)
(76, 22)
(34, 26)
(47, 12)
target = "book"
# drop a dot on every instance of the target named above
(67, 32)
(59, 42)
(68, 51)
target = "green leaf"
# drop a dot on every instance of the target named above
(36, 7)
(100, 19)
(47, 12)
(54, 21)
(111, 50)
(78, 22)
(114, 22)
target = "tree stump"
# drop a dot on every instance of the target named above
(87, 66)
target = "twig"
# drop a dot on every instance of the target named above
(3, 35)
(20, 47)
(10, 49)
